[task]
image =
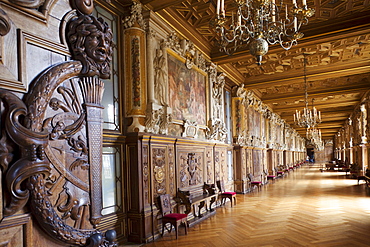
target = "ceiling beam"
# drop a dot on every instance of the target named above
(315, 74)
(342, 90)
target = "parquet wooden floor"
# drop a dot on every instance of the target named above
(306, 208)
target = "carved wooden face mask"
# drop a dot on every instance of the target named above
(90, 41)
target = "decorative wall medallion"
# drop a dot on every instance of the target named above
(190, 129)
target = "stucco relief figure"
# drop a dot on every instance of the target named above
(160, 77)
(90, 41)
(241, 92)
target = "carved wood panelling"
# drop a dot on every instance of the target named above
(146, 173)
(210, 166)
(57, 127)
(191, 168)
(217, 160)
(220, 164)
(257, 166)
(160, 171)
(171, 171)
(16, 231)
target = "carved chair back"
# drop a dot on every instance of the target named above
(221, 185)
(165, 201)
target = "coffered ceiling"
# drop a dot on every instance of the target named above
(336, 43)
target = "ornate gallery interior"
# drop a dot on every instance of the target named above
(114, 112)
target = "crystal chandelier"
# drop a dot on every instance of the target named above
(260, 23)
(309, 117)
(314, 136)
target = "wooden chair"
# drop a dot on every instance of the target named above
(271, 177)
(225, 194)
(253, 182)
(174, 219)
(279, 173)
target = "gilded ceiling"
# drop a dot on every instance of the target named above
(336, 43)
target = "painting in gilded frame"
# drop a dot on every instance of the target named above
(187, 91)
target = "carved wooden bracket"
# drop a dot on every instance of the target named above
(56, 133)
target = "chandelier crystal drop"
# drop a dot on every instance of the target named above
(308, 117)
(260, 23)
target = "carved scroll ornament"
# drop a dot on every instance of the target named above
(57, 132)
(32, 4)
(4, 23)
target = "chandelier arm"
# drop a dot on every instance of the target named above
(260, 23)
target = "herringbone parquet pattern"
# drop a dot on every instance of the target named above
(306, 208)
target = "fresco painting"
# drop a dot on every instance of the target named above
(187, 92)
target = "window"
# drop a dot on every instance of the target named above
(111, 180)
(230, 164)
(111, 88)
(229, 137)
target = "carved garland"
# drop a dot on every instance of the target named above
(134, 17)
